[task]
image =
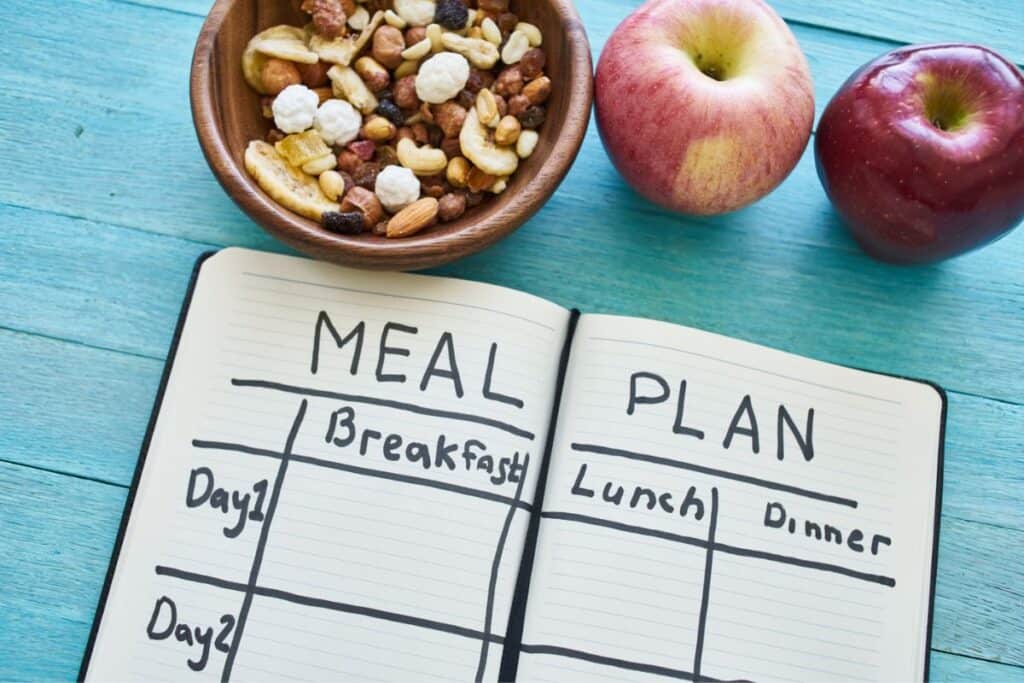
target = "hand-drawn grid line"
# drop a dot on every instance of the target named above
(386, 403)
(252, 588)
(458, 304)
(724, 474)
(261, 544)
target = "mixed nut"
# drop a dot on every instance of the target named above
(392, 115)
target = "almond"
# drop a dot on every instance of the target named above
(420, 214)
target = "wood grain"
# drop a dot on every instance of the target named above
(225, 110)
(106, 199)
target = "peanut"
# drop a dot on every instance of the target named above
(479, 180)
(486, 107)
(405, 93)
(451, 206)
(407, 69)
(435, 33)
(527, 143)
(419, 215)
(490, 31)
(458, 172)
(378, 129)
(417, 51)
(508, 131)
(394, 20)
(278, 74)
(538, 90)
(333, 185)
(373, 73)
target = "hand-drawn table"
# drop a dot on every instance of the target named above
(105, 202)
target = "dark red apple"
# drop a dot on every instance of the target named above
(922, 151)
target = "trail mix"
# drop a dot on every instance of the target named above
(392, 115)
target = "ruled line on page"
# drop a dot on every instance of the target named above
(749, 367)
(398, 296)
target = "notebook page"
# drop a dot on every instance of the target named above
(678, 540)
(339, 481)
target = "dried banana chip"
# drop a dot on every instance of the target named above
(286, 185)
(299, 148)
(253, 58)
(343, 49)
(289, 49)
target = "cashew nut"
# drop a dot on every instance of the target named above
(434, 33)
(515, 47)
(424, 160)
(478, 146)
(417, 51)
(479, 52)
(532, 32)
(347, 84)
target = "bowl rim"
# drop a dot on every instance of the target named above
(419, 251)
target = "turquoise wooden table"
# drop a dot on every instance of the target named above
(105, 202)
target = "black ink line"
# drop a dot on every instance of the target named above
(397, 405)
(366, 471)
(724, 474)
(610, 661)
(698, 649)
(749, 367)
(402, 296)
(495, 566)
(345, 607)
(629, 528)
(261, 544)
(722, 547)
(809, 564)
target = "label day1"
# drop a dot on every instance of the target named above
(164, 624)
(202, 490)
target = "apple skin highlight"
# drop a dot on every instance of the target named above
(703, 106)
(922, 151)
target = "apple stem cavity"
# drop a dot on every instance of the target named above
(946, 107)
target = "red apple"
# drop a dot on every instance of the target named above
(704, 106)
(922, 151)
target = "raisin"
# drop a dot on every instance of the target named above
(366, 175)
(465, 99)
(533, 117)
(391, 112)
(344, 223)
(451, 14)
(507, 23)
(436, 135)
(474, 199)
(387, 156)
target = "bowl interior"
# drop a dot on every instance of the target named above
(227, 115)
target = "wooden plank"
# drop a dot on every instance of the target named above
(58, 535)
(956, 323)
(950, 668)
(997, 25)
(59, 530)
(73, 408)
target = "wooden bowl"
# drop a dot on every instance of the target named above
(226, 114)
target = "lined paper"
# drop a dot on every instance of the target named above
(698, 576)
(354, 555)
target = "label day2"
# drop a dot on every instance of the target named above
(164, 624)
(202, 491)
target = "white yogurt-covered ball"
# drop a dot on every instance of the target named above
(442, 77)
(294, 108)
(338, 122)
(397, 187)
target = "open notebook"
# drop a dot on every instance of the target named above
(388, 476)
